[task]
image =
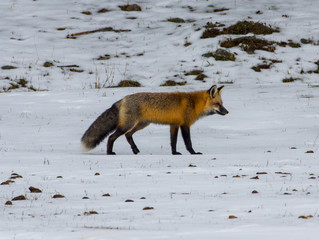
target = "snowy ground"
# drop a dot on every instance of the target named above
(271, 126)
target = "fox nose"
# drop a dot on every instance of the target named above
(223, 110)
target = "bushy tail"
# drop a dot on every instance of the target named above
(100, 128)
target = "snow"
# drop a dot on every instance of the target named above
(270, 127)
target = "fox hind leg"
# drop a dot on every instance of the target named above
(130, 133)
(118, 132)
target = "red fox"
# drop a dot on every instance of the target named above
(135, 112)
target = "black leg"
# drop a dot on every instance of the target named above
(174, 132)
(130, 140)
(112, 139)
(187, 139)
(129, 135)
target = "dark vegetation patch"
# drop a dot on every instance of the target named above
(220, 10)
(58, 196)
(194, 72)
(104, 57)
(249, 44)
(130, 7)
(259, 67)
(61, 28)
(176, 20)
(48, 64)
(16, 84)
(198, 73)
(172, 83)
(128, 83)
(309, 41)
(86, 12)
(90, 213)
(221, 55)
(240, 28)
(290, 43)
(103, 10)
(8, 67)
(19, 198)
(76, 70)
(106, 29)
(266, 64)
(34, 190)
(291, 79)
(317, 70)
(201, 77)
(226, 82)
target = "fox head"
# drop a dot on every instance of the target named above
(214, 103)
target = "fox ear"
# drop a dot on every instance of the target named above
(212, 91)
(220, 89)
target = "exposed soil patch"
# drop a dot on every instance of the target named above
(267, 63)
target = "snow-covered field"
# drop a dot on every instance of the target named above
(258, 176)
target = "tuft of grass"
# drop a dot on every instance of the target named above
(249, 44)
(240, 28)
(105, 57)
(48, 64)
(194, 72)
(103, 10)
(291, 79)
(128, 83)
(201, 77)
(130, 7)
(176, 20)
(172, 83)
(8, 67)
(221, 10)
(86, 12)
(226, 82)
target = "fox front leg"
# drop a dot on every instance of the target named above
(174, 132)
(187, 139)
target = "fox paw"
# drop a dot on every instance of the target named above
(176, 153)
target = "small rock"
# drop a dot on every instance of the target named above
(129, 200)
(106, 195)
(223, 55)
(232, 217)
(8, 203)
(254, 192)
